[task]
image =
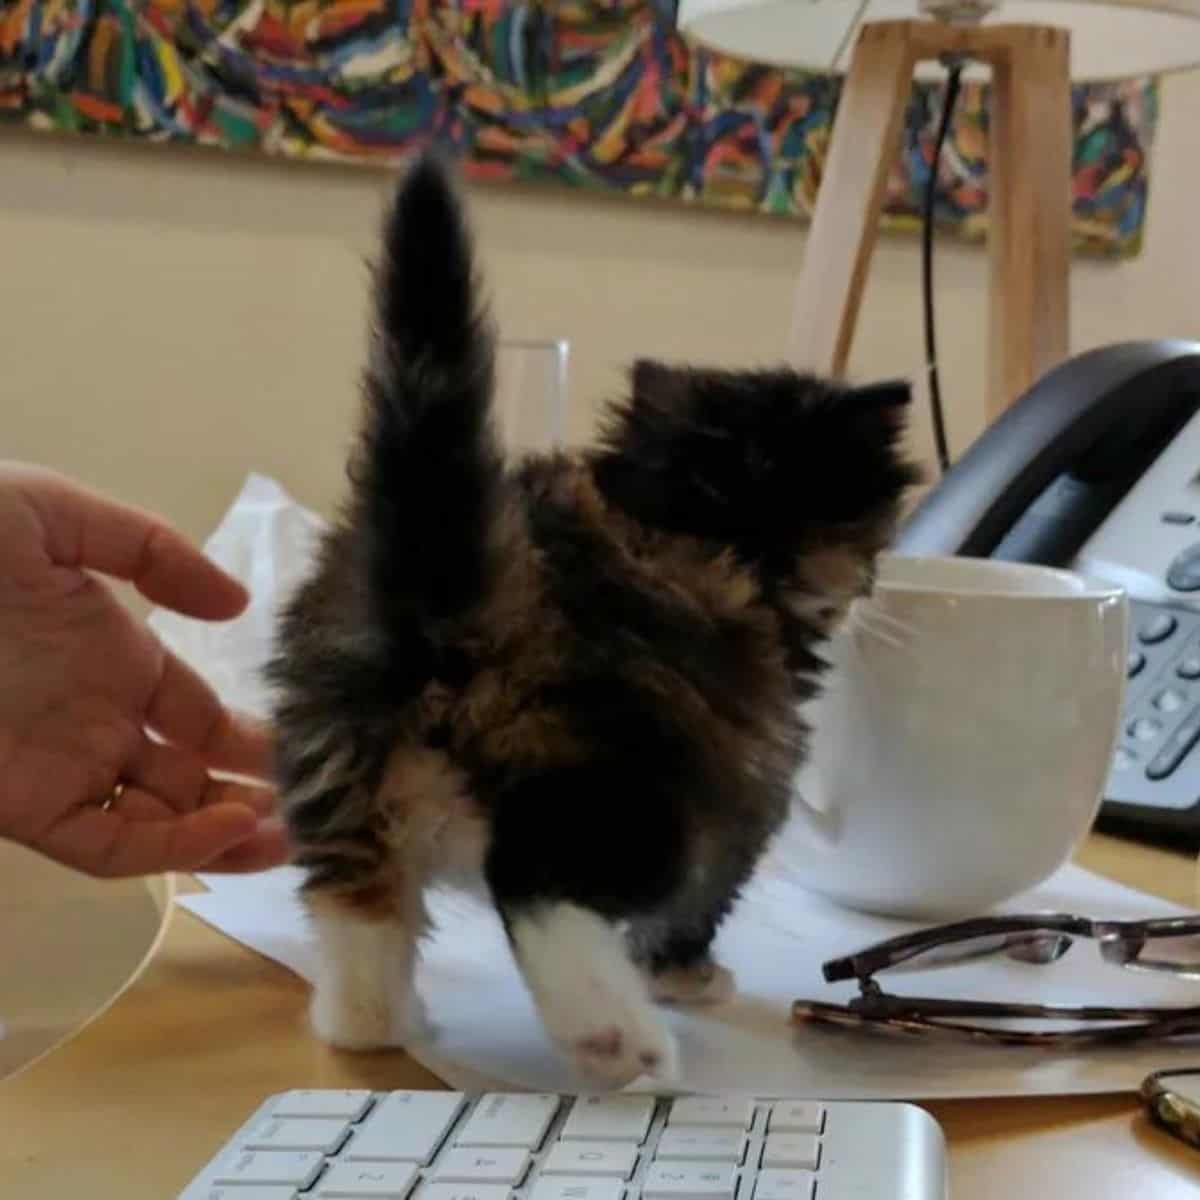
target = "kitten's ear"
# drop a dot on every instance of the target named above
(655, 384)
(881, 406)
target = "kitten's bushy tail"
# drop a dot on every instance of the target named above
(429, 468)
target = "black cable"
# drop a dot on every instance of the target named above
(935, 390)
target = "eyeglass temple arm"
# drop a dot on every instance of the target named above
(893, 951)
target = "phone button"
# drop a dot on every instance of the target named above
(1137, 660)
(1160, 626)
(1178, 518)
(1145, 729)
(1169, 700)
(1184, 572)
(1176, 748)
(1189, 668)
(1123, 759)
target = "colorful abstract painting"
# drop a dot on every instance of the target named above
(597, 94)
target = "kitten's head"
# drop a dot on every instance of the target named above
(774, 464)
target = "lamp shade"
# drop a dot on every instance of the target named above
(1110, 39)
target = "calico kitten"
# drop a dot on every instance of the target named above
(575, 681)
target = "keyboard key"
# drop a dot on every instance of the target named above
(381, 1181)
(797, 1116)
(792, 1150)
(315, 1133)
(348, 1105)
(1170, 700)
(591, 1158)
(405, 1127)
(297, 1168)
(577, 1187)
(251, 1193)
(464, 1191)
(1175, 517)
(514, 1120)
(481, 1166)
(696, 1110)
(784, 1185)
(1157, 628)
(1189, 667)
(1134, 662)
(691, 1145)
(678, 1181)
(609, 1119)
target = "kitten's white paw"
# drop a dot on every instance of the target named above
(615, 1050)
(592, 998)
(359, 1020)
(704, 983)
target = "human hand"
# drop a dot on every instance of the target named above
(84, 684)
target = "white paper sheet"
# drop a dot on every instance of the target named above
(487, 1033)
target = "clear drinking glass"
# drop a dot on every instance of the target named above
(531, 394)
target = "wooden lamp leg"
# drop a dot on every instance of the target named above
(845, 221)
(1030, 185)
(1029, 227)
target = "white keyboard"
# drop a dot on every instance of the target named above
(355, 1145)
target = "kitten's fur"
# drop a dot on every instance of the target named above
(576, 681)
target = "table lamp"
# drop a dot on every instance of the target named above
(880, 45)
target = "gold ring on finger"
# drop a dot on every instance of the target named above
(117, 792)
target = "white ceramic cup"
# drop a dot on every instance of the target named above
(963, 740)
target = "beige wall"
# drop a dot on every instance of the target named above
(170, 320)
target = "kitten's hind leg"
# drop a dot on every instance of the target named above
(699, 983)
(592, 998)
(364, 997)
(574, 851)
(679, 965)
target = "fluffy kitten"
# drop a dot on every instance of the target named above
(575, 681)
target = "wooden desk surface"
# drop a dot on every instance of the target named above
(138, 1101)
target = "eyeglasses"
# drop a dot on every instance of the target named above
(1168, 945)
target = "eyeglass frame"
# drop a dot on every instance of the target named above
(1120, 943)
